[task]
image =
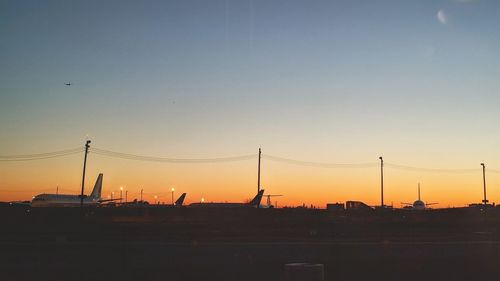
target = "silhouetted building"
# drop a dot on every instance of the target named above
(357, 205)
(335, 207)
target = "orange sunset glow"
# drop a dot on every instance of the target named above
(237, 181)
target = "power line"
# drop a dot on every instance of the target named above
(318, 164)
(78, 149)
(128, 156)
(432, 170)
(13, 158)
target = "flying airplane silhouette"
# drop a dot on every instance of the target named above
(67, 84)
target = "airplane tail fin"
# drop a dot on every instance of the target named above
(96, 192)
(180, 201)
(256, 200)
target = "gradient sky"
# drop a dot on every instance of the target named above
(325, 81)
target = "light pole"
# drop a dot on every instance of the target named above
(202, 200)
(485, 201)
(126, 193)
(172, 189)
(156, 199)
(381, 182)
(87, 145)
(121, 193)
(258, 171)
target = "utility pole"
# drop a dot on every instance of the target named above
(258, 175)
(381, 182)
(258, 172)
(485, 201)
(87, 145)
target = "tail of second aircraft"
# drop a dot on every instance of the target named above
(180, 201)
(256, 200)
(96, 192)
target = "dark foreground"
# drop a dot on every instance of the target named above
(247, 244)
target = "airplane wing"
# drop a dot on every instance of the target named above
(108, 200)
(428, 204)
(403, 203)
(20, 203)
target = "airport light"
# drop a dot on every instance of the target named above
(156, 199)
(172, 189)
(121, 193)
(202, 200)
(112, 194)
(126, 193)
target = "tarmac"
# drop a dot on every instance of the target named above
(158, 243)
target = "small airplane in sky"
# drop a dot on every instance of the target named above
(418, 204)
(67, 84)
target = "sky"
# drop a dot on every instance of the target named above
(320, 81)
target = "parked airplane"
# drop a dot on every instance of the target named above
(65, 200)
(254, 203)
(418, 204)
(180, 201)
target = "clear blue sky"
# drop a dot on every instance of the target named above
(314, 80)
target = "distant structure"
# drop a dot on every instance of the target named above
(334, 207)
(357, 205)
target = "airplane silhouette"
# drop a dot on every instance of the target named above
(67, 84)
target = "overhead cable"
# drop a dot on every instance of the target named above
(40, 156)
(319, 164)
(128, 156)
(431, 170)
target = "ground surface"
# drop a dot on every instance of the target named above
(247, 244)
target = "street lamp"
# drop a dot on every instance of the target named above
(156, 199)
(172, 189)
(381, 181)
(126, 193)
(485, 201)
(121, 193)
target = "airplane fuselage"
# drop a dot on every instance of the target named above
(220, 205)
(61, 200)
